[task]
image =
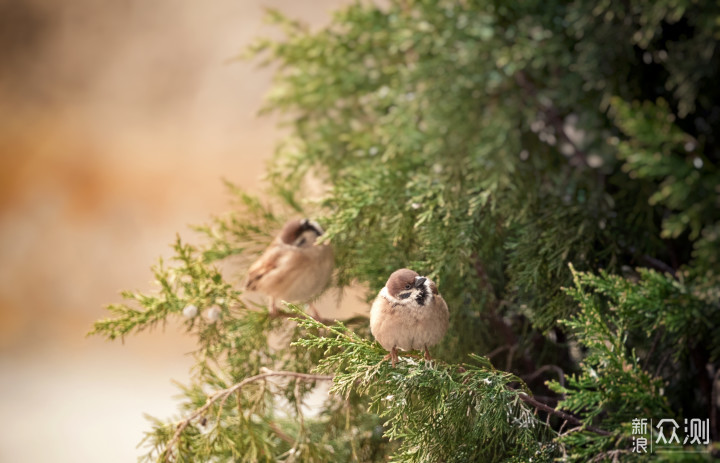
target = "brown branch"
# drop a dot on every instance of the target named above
(660, 366)
(562, 426)
(223, 394)
(280, 433)
(547, 400)
(565, 416)
(652, 262)
(497, 350)
(657, 264)
(544, 368)
(654, 344)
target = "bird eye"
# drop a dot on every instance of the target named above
(408, 286)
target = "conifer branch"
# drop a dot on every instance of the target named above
(292, 316)
(223, 394)
(430, 163)
(565, 416)
(280, 433)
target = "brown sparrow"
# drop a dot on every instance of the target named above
(408, 314)
(293, 268)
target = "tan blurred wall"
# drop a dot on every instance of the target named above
(119, 120)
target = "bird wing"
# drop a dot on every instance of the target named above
(273, 259)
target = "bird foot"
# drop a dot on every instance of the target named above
(273, 310)
(389, 357)
(429, 362)
(392, 356)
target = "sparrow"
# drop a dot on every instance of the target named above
(408, 314)
(294, 267)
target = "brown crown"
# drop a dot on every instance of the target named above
(399, 279)
(294, 228)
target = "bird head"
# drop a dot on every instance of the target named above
(407, 286)
(301, 233)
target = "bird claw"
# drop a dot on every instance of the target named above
(273, 310)
(389, 357)
(429, 362)
(393, 356)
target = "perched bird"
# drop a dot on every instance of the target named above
(293, 268)
(408, 314)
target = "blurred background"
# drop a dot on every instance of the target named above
(119, 121)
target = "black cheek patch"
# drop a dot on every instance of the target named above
(420, 298)
(404, 295)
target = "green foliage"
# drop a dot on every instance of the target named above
(487, 145)
(683, 176)
(435, 410)
(616, 318)
(191, 282)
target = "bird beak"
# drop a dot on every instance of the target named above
(419, 281)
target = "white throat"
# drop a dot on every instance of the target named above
(407, 302)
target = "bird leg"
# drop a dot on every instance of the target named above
(393, 356)
(272, 308)
(427, 354)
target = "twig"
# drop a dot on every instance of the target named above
(657, 264)
(511, 352)
(280, 433)
(654, 345)
(652, 262)
(565, 416)
(547, 400)
(569, 431)
(660, 366)
(223, 394)
(324, 321)
(298, 405)
(544, 368)
(497, 350)
(562, 426)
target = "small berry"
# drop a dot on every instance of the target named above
(190, 311)
(213, 314)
